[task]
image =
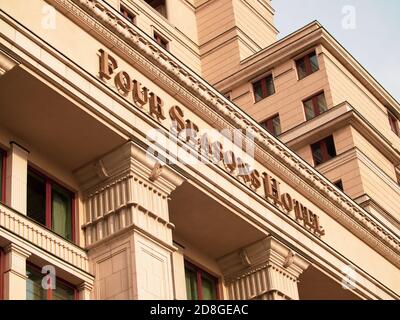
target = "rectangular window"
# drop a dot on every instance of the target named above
(199, 284)
(272, 125)
(314, 106)
(159, 6)
(35, 290)
(323, 150)
(339, 184)
(2, 176)
(394, 124)
(307, 65)
(128, 14)
(263, 88)
(50, 204)
(161, 41)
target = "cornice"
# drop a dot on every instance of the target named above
(134, 44)
(333, 119)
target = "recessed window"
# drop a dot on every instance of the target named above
(36, 291)
(263, 88)
(2, 176)
(199, 284)
(128, 14)
(158, 5)
(394, 123)
(339, 184)
(314, 106)
(50, 204)
(161, 41)
(323, 150)
(272, 125)
(228, 95)
(307, 65)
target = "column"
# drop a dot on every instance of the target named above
(16, 177)
(266, 270)
(84, 291)
(127, 228)
(15, 272)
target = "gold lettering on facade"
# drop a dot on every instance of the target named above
(188, 131)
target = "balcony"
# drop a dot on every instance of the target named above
(15, 226)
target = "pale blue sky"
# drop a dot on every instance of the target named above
(374, 42)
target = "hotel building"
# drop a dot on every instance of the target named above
(175, 149)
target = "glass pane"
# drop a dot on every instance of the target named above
(330, 147)
(63, 292)
(208, 288)
(301, 68)
(191, 284)
(36, 198)
(257, 91)
(321, 103)
(317, 153)
(313, 62)
(1, 175)
(61, 212)
(308, 109)
(34, 289)
(276, 123)
(270, 86)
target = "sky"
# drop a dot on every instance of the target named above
(368, 29)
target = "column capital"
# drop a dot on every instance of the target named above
(14, 248)
(272, 265)
(84, 290)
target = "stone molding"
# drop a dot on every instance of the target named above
(127, 197)
(269, 267)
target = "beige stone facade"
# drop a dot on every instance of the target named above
(174, 149)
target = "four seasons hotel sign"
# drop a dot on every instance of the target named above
(213, 150)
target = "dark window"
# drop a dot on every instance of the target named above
(315, 105)
(323, 150)
(158, 5)
(2, 176)
(307, 65)
(339, 184)
(273, 125)
(36, 291)
(199, 284)
(50, 204)
(228, 95)
(263, 88)
(161, 41)
(128, 14)
(394, 124)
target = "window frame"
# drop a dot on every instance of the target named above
(3, 156)
(324, 150)
(125, 11)
(307, 62)
(48, 203)
(394, 123)
(49, 292)
(199, 272)
(264, 88)
(314, 101)
(270, 125)
(165, 13)
(159, 38)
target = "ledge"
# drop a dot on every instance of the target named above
(42, 238)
